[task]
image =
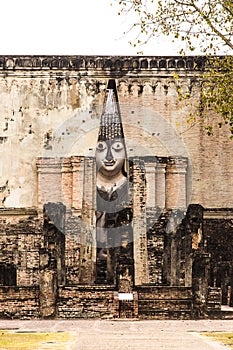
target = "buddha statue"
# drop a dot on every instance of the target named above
(114, 213)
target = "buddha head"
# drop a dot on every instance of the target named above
(110, 149)
(110, 157)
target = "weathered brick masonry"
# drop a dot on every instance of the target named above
(179, 261)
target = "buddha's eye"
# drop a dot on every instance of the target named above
(118, 146)
(101, 146)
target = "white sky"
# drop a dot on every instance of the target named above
(69, 27)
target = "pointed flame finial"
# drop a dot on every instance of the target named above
(110, 123)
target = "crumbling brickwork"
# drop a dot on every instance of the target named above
(220, 247)
(86, 302)
(165, 302)
(19, 302)
(21, 240)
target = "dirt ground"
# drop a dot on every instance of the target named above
(129, 334)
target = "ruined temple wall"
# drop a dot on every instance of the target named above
(19, 302)
(21, 240)
(50, 106)
(162, 115)
(88, 302)
(218, 233)
(161, 302)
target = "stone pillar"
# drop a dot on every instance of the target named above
(48, 285)
(160, 185)
(77, 182)
(231, 289)
(200, 281)
(176, 183)
(150, 185)
(135, 303)
(116, 305)
(89, 190)
(194, 240)
(175, 246)
(88, 234)
(166, 263)
(174, 260)
(67, 182)
(125, 274)
(54, 236)
(49, 181)
(139, 224)
(188, 265)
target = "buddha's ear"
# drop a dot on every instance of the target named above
(125, 169)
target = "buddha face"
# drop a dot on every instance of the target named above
(110, 157)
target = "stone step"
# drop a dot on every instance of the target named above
(166, 305)
(162, 314)
(221, 315)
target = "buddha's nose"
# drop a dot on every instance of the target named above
(109, 156)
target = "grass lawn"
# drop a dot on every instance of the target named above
(29, 341)
(222, 337)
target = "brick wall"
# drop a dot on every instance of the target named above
(55, 113)
(218, 234)
(21, 239)
(85, 302)
(165, 302)
(214, 299)
(155, 245)
(19, 302)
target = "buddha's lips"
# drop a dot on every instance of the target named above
(111, 163)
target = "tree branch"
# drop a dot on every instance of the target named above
(210, 24)
(228, 9)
